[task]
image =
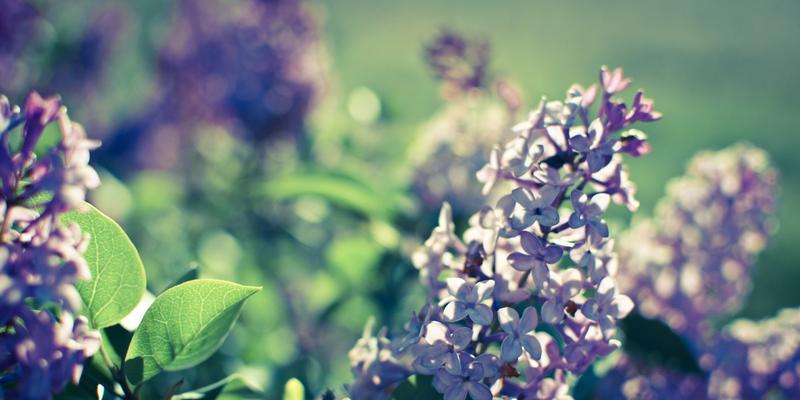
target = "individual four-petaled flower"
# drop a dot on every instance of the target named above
(607, 306)
(597, 149)
(521, 333)
(444, 345)
(588, 213)
(465, 378)
(468, 300)
(559, 290)
(534, 207)
(537, 254)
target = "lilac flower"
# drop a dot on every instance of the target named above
(51, 353)
(461, 64)
(520, 333)
(490, 172)
(594, 146)
(588, 213)
(537, 254)
(560, 288)
(692, 261)
(467, 300)
(634, 142)
(41, 259)
(445, 343)
(614, 178)
(642, 109)
(613, 81)
(607, 306)
(463, 380)
(596, 257)
(534, 208)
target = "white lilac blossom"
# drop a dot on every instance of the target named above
(693, 261)
(551, 195)
(42, 343)
(458, 140)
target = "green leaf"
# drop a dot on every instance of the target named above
(118, 278)
(345, 191)
(184, 326)
(234, 386)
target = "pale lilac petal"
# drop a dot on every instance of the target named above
(531, 344)
(529, 320)
(454, 311)
(552, 313)
(484, 289)
(508, 319)
(510, 349)
(478, 391)
(461, 337)
(481, 314)
(621, 306)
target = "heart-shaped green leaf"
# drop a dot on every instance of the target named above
(184, 326)
(118, 278)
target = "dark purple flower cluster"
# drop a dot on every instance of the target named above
(693, 262)
(528, 297)
(18, 23)
(42, 342)
(253, 68)
(461, 64)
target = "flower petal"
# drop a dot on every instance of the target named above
(481, 314)
(510, 349)
(454, 311)
(552, 313)
(529, 320)
(531, 344)
(508, 319)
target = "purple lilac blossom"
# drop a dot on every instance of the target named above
(693, 261)
(251, 69)
(511, 259)
(457, 141)
(42, 348)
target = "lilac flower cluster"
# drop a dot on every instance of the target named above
(693, 263)
(455, 142)
(42, 342)
(254, 69)
(528, 296)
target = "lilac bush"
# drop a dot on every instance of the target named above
(528, 254)
(44, 339)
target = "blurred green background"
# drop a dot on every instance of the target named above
(327, 228)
